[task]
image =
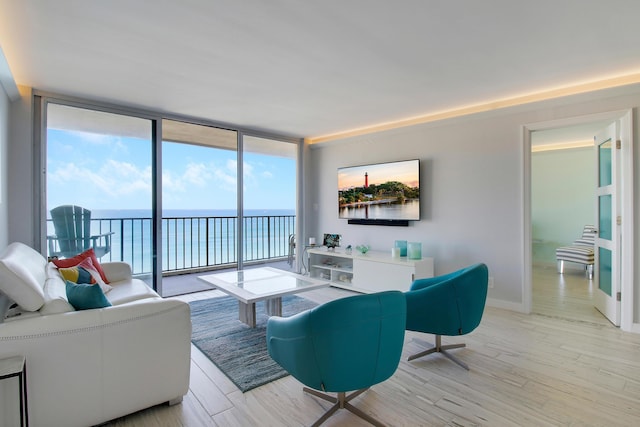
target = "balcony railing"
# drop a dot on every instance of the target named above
(195, 243)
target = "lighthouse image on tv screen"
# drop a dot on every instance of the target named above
(389, 191)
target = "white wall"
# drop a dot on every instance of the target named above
(472, 185)
(4, 148)
(23, 214)
(562, 199)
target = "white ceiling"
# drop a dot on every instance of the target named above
(312, 68)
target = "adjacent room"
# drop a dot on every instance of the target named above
(326, 213)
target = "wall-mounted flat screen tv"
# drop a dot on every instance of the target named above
(382, 191)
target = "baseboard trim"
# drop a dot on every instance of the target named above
(506, 305)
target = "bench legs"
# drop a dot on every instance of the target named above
(588, 267)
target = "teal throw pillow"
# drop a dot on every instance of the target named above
(86, 297)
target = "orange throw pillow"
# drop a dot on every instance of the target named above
(72, 262)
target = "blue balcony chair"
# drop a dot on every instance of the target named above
(449, 305)
(72, 236)
(348, 344)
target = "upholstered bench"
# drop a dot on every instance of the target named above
(580, 252)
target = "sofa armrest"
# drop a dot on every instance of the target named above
(104, 363)
(116, 271)
(82, 321)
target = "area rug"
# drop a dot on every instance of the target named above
(238, 350)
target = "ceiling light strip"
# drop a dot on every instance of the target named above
(562, 146)
(489, 106)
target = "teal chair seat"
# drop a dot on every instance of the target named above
(344, 345)
(451, 304)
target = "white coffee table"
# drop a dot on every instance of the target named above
(261, 284)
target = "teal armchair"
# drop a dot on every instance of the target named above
(344, 345)
(451, 304)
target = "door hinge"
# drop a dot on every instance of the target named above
(618, 296)
(619, 220)
(618, 144)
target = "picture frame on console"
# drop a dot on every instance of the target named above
(331, 241)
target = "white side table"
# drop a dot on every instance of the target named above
(17, 367)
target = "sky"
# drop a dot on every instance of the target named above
(110, 172)
(406, 172)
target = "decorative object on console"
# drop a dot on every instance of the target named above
(414, 250)
(348, 250)
(331, 241)
(363, 249)
(402, 245)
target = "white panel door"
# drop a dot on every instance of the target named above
(607, 241)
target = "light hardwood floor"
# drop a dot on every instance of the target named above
(564, 365)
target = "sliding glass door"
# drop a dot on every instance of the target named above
(99, 186)
(269, 200)
(199, 202)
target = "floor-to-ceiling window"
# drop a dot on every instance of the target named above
(101, 164)
(164, 195)
(269, 197)
(199, 201)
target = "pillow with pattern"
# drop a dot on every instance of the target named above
(85, 272)
(70, 262)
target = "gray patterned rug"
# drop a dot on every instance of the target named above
(238, 350)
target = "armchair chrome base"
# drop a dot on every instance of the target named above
(439, 348)
(341, 401)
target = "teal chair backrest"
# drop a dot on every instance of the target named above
(73, 229)
(343, 345)
(451, 304)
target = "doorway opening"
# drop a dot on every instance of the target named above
(557, 217)
(563, 180)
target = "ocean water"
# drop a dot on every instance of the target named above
(146, 213)
(194, 238)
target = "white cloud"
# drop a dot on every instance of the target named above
(96, 138)
(226, 181)
(197, 174)
(113, 178)
(172, 183)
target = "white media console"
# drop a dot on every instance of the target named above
(373, 272)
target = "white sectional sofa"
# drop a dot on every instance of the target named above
(90, 366)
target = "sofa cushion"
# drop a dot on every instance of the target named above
(129, 290)
(86, 297)
(71, 262)
(85, 272)
(22, 275)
